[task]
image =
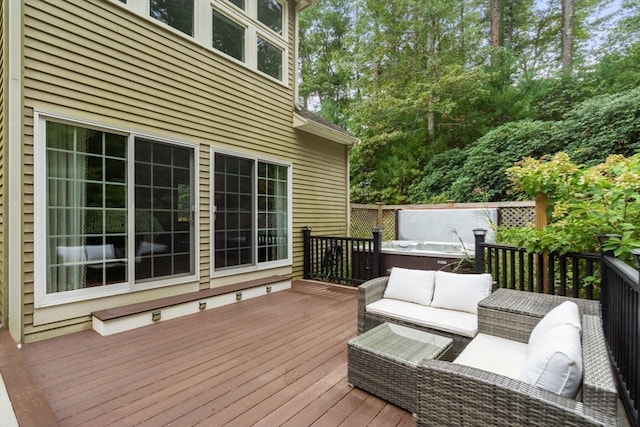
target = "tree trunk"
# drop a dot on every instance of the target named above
(567, 37)
(494, 32)
(508, 24)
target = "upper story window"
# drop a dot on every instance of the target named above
(253, 34)
(228, 36)
(270, 14)
(175, 13)
(239, 3)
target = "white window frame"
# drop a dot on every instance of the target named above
(257, 266)
(41, 297)
(203, 29)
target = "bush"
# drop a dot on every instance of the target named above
(584, 202)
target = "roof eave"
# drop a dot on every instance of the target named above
(315, 128)
(303, 4)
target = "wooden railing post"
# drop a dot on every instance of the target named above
(479, 234)
(306, 250)
(377, 252)
(379, 217)
(542, 203)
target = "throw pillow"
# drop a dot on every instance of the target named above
(566, 313)
(410, 285)
(461, 292)
(555, 362)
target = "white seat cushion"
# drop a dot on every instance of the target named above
(566, 313)
(494, 354)
(461, 292)
(456, 322)
(410, 285)
(555, 362)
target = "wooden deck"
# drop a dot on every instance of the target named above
(280, 359)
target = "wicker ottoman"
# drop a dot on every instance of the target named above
(384, 361)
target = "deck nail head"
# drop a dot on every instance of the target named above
(268, 289)
(238, 296)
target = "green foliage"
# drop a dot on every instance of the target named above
(442, 116)
(440, 172)
(604, 125)
(584, 202)
(593, 130)
(326, 65)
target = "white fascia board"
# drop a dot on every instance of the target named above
(315, 128)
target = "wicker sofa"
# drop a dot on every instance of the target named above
(458, 323)
(450, 393)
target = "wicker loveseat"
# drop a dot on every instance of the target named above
(455, 317)
(450, 393)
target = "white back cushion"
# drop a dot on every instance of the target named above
(100, 252)
(461, 292)
(555, 362)
(410, 285)
(71, 254)
(566, 313)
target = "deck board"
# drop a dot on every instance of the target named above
(279, 359)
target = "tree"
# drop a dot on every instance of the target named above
(326, 59)
(417, 78)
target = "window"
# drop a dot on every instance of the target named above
(272, 212)
(175, 13)
(228, 37)
(253, 35)
(95, 237)
(270, 14)
(251, 212)
(269, 59)
(162, 210)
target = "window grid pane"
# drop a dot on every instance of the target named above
(238, 3)
(228, 37)
(269, 59)
(270, 14)
(175, 13)
(272, 212)
(163, 235)
(86, 232)
(234, 230)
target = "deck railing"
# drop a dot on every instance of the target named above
(348, 260)
(620, 297)
(592, 276)
(569, 274)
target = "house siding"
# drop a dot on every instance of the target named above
(95, 61)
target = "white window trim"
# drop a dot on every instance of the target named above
(202, 30)
(41, 298)
(257, 266)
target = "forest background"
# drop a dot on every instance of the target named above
(446, 95)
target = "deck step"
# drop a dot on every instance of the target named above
(120, 319)
(22, 403)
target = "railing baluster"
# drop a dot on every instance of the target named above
(562, 264)
(552, 274)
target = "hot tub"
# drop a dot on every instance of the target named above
(425, 255)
